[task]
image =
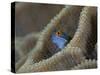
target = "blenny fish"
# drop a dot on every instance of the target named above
(59, 39)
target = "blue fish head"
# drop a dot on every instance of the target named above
(60, 41)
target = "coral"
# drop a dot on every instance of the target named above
(39, 58)
(87, 64)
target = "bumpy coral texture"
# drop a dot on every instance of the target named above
(33, 53)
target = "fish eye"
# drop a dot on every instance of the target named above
(58, 33)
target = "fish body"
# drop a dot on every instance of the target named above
(60, 39)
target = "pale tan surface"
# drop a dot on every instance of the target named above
(79, 23)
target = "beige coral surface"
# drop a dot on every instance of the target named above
(80, 23)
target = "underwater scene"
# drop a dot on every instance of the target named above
(54, 37)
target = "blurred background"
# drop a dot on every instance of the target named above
(33, 17)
